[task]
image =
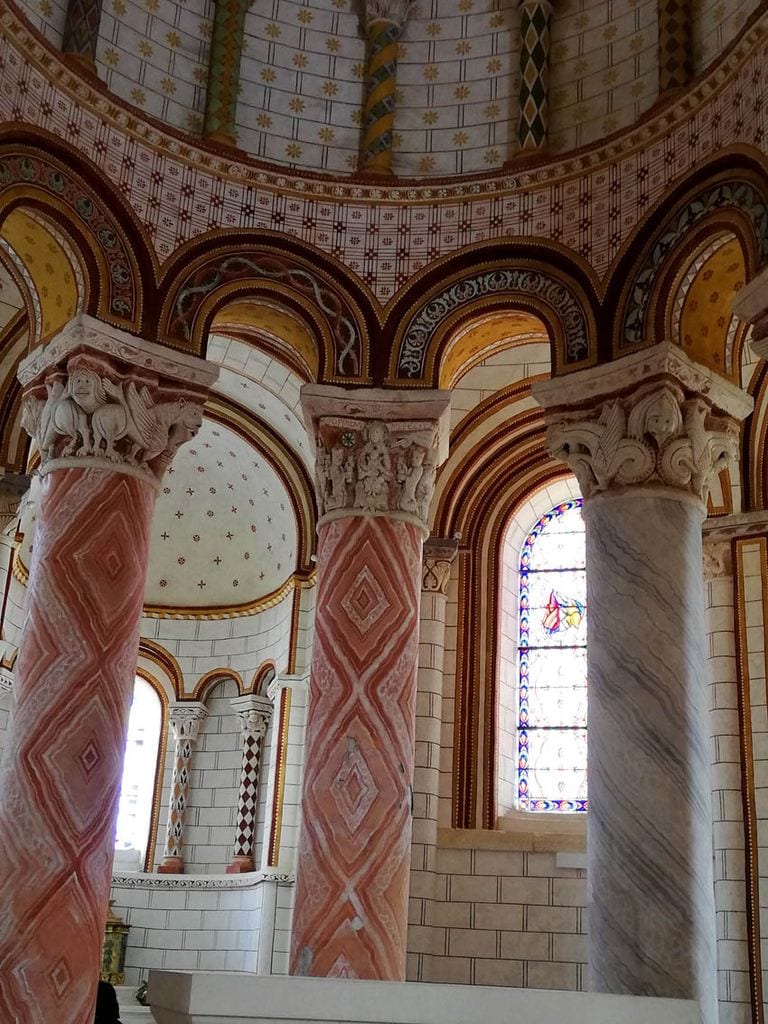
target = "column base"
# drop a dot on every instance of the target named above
(240, 865)
(171, 866)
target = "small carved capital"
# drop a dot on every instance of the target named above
(395, 12)
(186, 719)
(439, 554)
(98, 397)
(718, 559)
(6, 680)
(253, 713)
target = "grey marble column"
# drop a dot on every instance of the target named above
(645, 436)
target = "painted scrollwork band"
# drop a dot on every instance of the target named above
(657, 435)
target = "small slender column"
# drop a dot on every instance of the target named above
(533, 125)
(253, 713)
(675, 46)
(185, 721)
(74, 676)
(384, 21)
(81, 32)
(377, 454)
(224, 70)
(645, 436)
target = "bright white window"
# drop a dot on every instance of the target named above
(138, 786)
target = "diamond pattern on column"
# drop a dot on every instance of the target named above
(675, 59)
(534, 75)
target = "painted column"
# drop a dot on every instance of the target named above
(224, 70)
(384, 21)
(675, 44)
(185, 722)
(533, 125)
(377, 454)
(645, 436)
(253, 713)
(81, 32)
(108, 412)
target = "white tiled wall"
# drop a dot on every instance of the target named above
(180, 927)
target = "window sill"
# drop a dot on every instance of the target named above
(540, 833)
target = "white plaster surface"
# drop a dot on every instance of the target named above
(203, 998)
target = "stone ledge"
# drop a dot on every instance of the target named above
(228, 998)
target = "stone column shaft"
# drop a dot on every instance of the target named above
(675, 44)
(384, 21)
(533, 124)
(81, 31)
(224, 70)
(74, 676)
(645, 436)
(376, 460)
(254, 713)
(185, 722)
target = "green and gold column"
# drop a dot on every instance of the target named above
(81, 32)
(675, 60)
(384, 21)
(532, 128)
(224, 70)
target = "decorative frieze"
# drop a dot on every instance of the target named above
(370, 458)
(98, 397)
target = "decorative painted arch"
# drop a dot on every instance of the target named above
(201, 279)
(737, 197)
(162, 661)
(563, 297)
(42, 174)
(206, 683)
(262, 677)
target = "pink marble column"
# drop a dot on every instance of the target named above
(101, 464)
(253, 713)
(185, 722)
(377, 454)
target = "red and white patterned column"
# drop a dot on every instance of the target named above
(185, 721)
(377, 454)
(108, 411)
(254, 713)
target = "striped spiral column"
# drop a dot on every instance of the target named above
(383, 25)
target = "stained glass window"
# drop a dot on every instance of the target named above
(552, 653)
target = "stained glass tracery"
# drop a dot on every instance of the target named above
(552, 653)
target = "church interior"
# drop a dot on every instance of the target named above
(384, 510)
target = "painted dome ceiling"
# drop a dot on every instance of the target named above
(301, 89)
(224, 531)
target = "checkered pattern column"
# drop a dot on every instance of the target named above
(185, 723)
(675, 58)
(534, 74)
(224, 70)
(254, 714)
(81, 31)
(384, 21)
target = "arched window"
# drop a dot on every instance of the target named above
(552, 664)
(138, 785)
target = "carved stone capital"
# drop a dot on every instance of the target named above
(658, 421)
(439, 554)
(13, 487)
(253, 713)
(718, 560)
(186, 719)
(99, 397)
(6, 680)
(395, 12)
(376, 452)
